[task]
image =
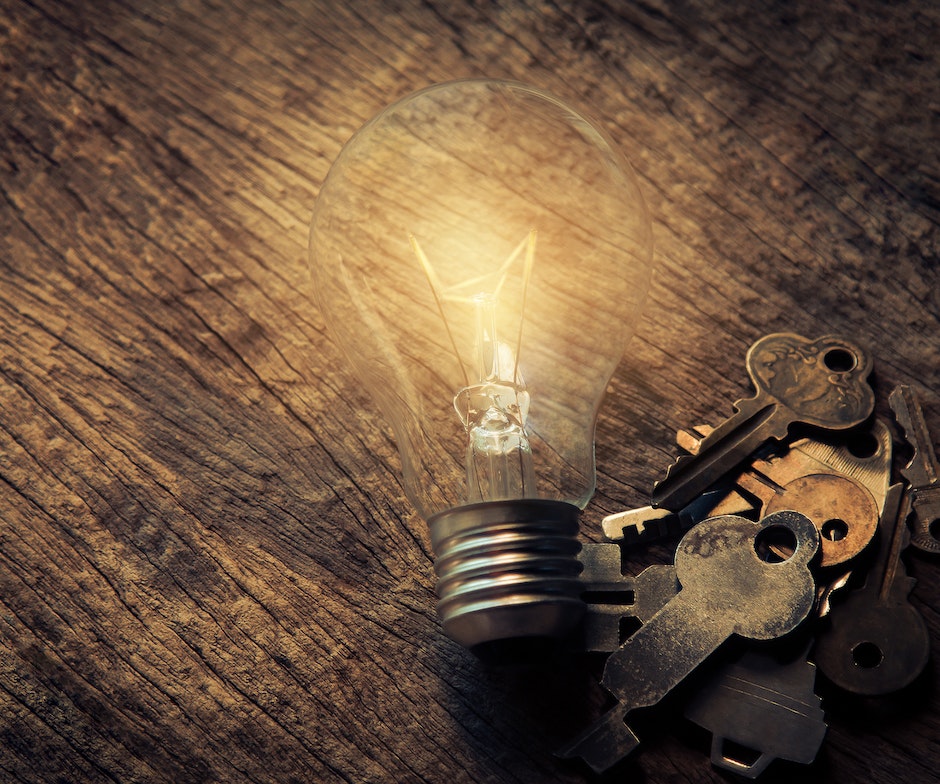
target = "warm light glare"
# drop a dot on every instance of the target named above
(494, 404)
(425, 261)
(482, 254)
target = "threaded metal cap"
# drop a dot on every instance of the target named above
(507, 570)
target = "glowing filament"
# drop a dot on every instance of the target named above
(493, 405)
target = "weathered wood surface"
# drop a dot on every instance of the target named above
(207, 568)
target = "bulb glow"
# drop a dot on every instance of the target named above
(482, 254)
(493, 403)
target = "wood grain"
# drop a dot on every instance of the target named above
(208, 571)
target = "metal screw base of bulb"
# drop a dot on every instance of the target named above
(508, 571)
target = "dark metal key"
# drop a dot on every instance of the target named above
(877, 642)
(821, 383)
(727, 589)
(612, 598)
(764, 704)
(922, 473)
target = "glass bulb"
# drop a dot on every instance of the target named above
(482, 254)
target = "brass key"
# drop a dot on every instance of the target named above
(820, 383)
(837, 486)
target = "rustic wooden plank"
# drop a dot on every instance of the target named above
(208, 571)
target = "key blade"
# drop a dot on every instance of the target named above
(888, 569)
(646, 523)
(633, 524)
(719, 454)
(923, 470)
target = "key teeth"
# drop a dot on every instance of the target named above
(906, 408)
(673, 467)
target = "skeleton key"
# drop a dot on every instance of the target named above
(877, 642)
(727, 589)
(923, 472)
(820, 383)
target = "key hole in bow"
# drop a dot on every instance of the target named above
(867, 655)
(775, 544)
(840, 360)
(862, 445)
(834, 529)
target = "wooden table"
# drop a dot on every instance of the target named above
(208, 570)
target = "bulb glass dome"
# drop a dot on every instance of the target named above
(482, 254)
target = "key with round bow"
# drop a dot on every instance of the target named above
(727, 588)
(818, 383)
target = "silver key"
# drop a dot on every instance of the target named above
(922, 473)
(646, 523)
(727, 589)
(821, 383)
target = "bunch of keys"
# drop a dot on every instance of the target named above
(751, 465)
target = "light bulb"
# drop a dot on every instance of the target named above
(482, 253)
